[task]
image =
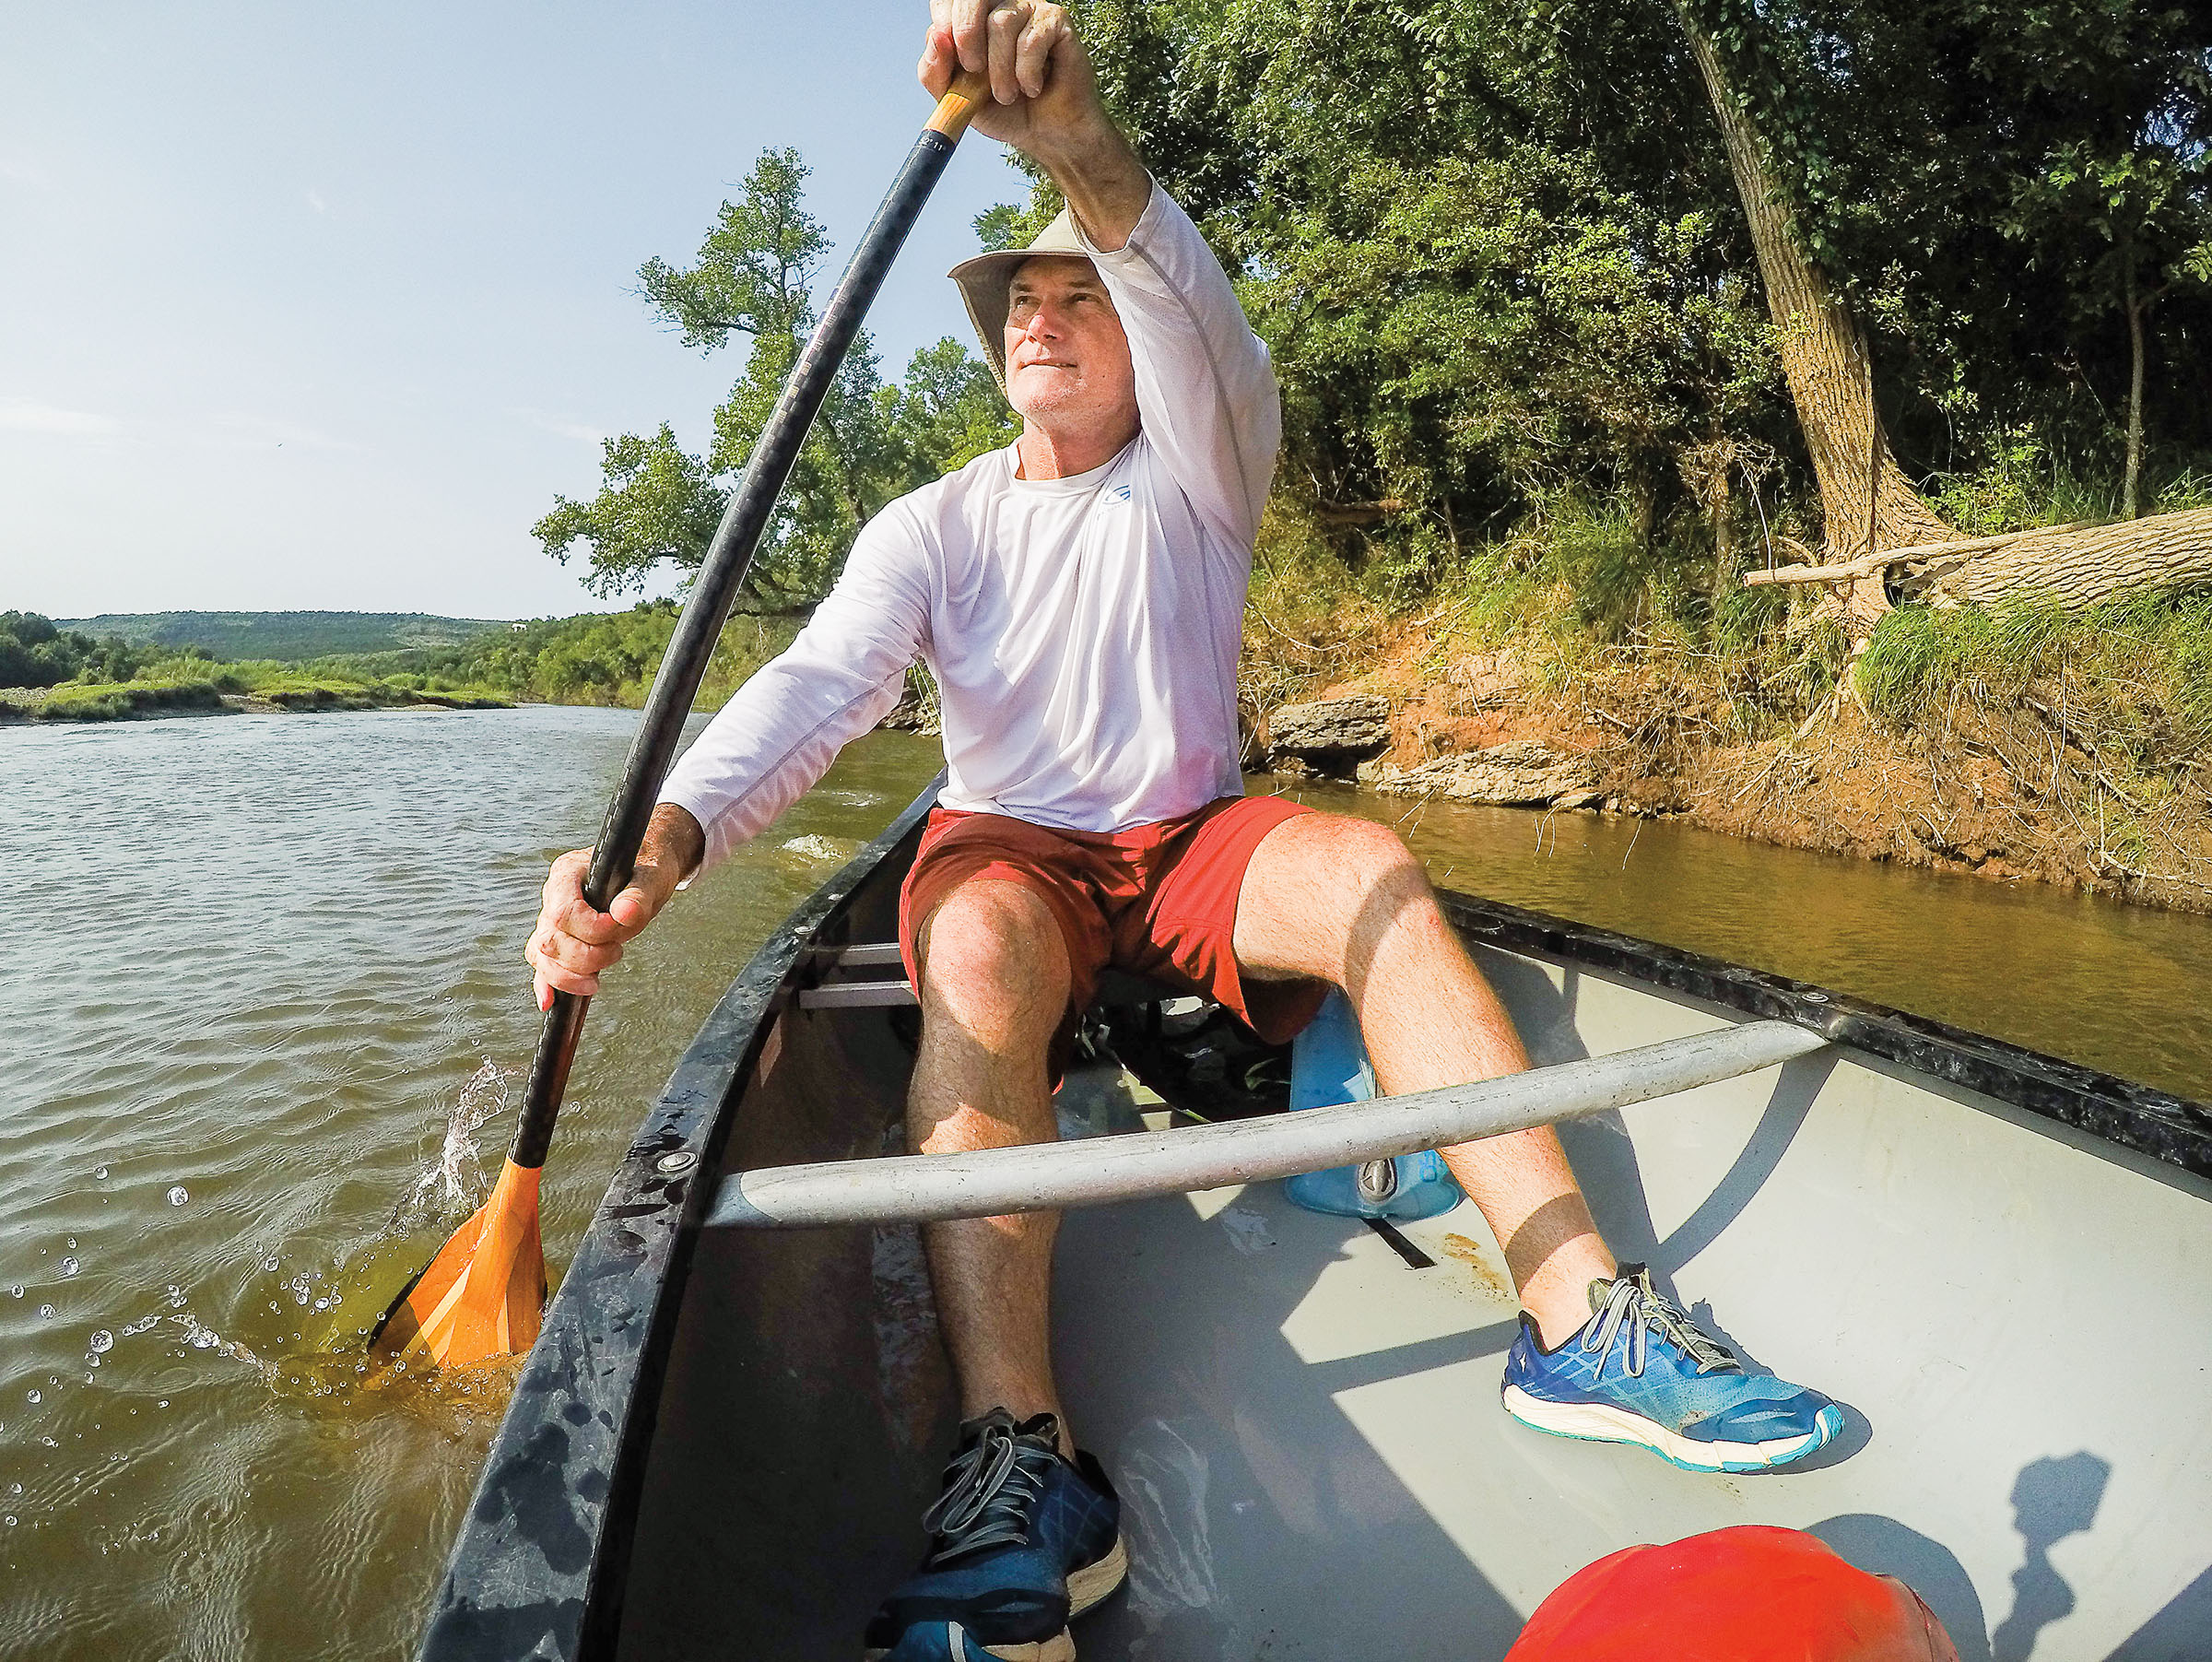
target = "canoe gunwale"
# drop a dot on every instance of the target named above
(540, 1564)
(2169, 1129)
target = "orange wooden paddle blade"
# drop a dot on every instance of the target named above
(484, 1294)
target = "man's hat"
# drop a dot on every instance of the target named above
(987, 281)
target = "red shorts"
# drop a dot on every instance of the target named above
(1158, 901)
(1748, 1593)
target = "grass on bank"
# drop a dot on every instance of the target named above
(196, 684)
(2130, 678)
(1574, 597)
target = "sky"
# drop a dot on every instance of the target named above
(318, 306)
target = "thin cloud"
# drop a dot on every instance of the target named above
(28, 415)
(236, 430)
(561, 428)
(22, 171)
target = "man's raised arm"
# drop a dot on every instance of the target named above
(1206, 390)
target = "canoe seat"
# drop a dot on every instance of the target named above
(1116, 989)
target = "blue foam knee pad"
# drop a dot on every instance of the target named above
(1329, 1065)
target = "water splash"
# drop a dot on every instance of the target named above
(101, 1342)
(202, 1338)
(452, 1185)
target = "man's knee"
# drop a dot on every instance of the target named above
(1357, 861)
(1322, 890)
(993, 961)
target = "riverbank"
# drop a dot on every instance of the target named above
(130, 701)
(2026, 746)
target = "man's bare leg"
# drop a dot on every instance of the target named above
(994, 984)
(1343, 899)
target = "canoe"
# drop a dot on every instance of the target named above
(726, 1437)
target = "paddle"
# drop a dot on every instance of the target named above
(484, 1293)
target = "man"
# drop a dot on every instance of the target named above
(1079, 599)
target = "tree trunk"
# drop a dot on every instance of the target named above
(2077, 568)
(1823, 353)
(1724, 533)
(2129, 507)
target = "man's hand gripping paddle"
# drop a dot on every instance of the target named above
(484, 1293)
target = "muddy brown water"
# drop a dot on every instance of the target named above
(262, 1021)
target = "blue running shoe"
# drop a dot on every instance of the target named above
(1022, 1541)
(1640, 1372)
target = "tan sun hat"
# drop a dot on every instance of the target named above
(987, 281)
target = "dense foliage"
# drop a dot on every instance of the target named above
(754, 276)
(596, 658)
(34, 653)
(1497, 253)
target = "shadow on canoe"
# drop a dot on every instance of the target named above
(725, 1437)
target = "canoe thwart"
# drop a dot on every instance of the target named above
(857, 995)
(1097, 1171)
(873, 955)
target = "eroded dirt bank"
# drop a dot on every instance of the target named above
(2011, 788)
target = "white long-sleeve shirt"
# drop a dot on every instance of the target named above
(1083, 632)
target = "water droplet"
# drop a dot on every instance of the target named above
(70, 1266)
(298, 1295)
(16, 1290)
(269, 1263)
(91, 1362)
(11, 1520)
(163, 1403)
(203, 1340)
(73, 1242)
(178, 1195)
(321, 1303)
(101, 1173)
(45, 1312)
(32, 1396)
(102, 1341)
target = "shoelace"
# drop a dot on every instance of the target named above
(989, 1489)
(1634, 1304)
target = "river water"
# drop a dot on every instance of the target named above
(265, 1017)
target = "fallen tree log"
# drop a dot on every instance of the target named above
(2076, 565)
(2077, 568)
(1870, 565)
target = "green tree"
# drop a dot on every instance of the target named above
(753, 277)
(2127, 226)
(948, 412)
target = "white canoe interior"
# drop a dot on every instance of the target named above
(1305, 1428)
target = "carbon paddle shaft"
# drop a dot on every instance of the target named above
(729, 556)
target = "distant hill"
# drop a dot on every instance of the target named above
(284, 634)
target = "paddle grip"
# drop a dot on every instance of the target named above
(722, 574)
(970, 91)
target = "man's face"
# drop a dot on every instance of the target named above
(1067, 358)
